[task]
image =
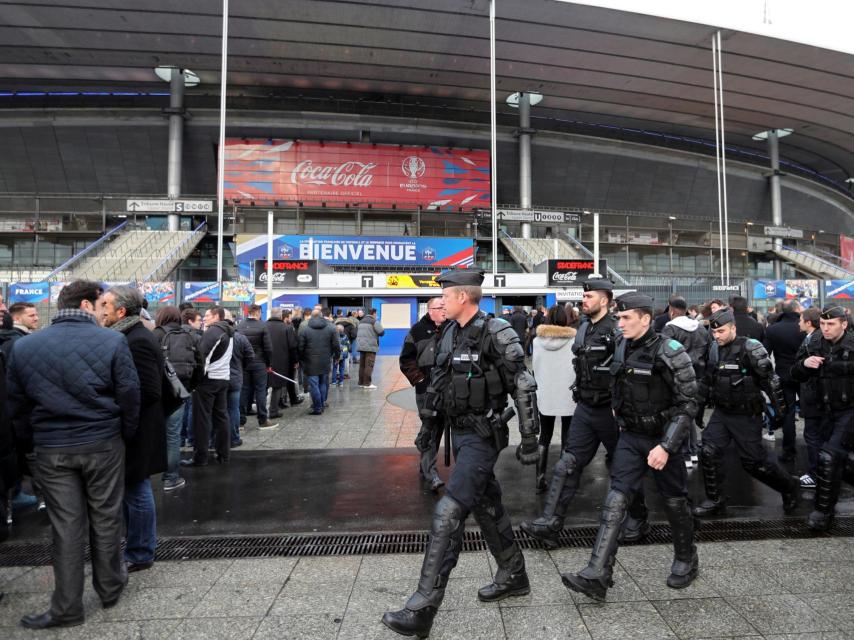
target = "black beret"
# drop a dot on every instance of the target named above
(721, 317)
(633, 300)
(460, 278)
(833, 311)
(597, 284)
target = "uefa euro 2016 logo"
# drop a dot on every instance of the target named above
(428, 254)
(413, 167)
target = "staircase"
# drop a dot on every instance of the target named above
(529, 252)
(132, 255)
(814, 265)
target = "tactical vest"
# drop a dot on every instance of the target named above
(733, 387)
(592, 374)
(836, 391)
(476, 384)
(642, 397)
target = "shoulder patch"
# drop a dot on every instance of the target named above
(752, 341)
(674, 344)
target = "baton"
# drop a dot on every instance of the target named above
(276, 373)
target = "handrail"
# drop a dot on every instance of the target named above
(820, 261)
(76, 257)
(576, 243)
(518, 248)
(196, 232)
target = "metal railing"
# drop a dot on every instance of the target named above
(515, 246)
(575, 243)
(155, 274)
(822, 266)
(64, 266)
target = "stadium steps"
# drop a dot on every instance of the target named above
(529, 252)
(813, 265)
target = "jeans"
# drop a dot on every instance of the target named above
(338, 370)
(140, 522)
(234, 414)
(174, 424)
(318, 388)
(187, 422)
(255, 388)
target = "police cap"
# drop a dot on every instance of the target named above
(633, 300)
(834, 311)
(721, 317)
(460, 278)
(597, 284)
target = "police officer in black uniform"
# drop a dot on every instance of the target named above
(654, 399)
(479, 362)
(593, 421)
(738, 370)
(830, 361)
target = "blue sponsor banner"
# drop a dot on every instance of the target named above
(769, 289)
(360, 250)
(839, 289)
(286, 301)
(33, 292)
(200, 292)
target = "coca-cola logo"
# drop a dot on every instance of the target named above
(565, 276)
(346, 174)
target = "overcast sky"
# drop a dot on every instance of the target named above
(823, 23)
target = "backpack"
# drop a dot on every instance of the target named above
(180, 351)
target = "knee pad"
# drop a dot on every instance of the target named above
(447, 515)
(827, 457)
(710, 451)
(616, 504)
(566, 465)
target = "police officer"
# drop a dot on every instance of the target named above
(478, 362)
(830, 360)
(593, 421)
(738, 370)
(654, 390)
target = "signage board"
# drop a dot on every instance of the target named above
(529, 215)
(410, 281)
(200, 292)
(839, 289)
(727, 287)
(32, 292)
(287, 274)
(268, 170)
(569, 272)
(569, 294)
(170, 206)
(784, 232)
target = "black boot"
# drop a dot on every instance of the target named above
(549, 525)
(685, 562)
(511, 578)
(595, 579)
(772, 474)
(711, 461)
(416, 618)
(542, 465)
(827, 485)
(636, 526)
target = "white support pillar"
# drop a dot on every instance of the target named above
(525, 157)
(176, 140)
(776, 204)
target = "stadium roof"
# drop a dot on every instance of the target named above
(596, 66)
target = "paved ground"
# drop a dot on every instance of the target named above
(794, 589)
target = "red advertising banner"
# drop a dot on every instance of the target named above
(846, 252)
(291, 171)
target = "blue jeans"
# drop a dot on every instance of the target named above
(338, 370)
(187, 422)
(255, 388)
(234, 414)
(318, 388)
(140, 522)
(173, 444)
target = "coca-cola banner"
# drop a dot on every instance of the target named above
(568, 273)
(291, 171)
(287, 274)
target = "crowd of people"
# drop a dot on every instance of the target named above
(105, 397)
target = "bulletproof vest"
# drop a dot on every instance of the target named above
(642, 396)
(836, 391)
(476, 385)
(594, 349)
(734, 387)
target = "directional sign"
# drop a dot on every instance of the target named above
(784, 232)
(500, 280)
(367, 282)
(170, 206)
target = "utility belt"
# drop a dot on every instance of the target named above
(740, 406)
(591, 397)
(645, 425)
(489, 426)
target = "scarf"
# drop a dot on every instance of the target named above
(126, 323)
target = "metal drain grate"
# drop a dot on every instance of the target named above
(217, 547)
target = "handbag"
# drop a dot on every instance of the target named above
(179, 391)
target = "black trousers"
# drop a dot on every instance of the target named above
(746, 431)
(547, 428)
(83, 488)
(210, 413)
(790, 392)
(817, 430)
(630, 466)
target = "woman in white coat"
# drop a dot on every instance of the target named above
(553, 370)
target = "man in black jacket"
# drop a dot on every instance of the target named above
(210, 400)
(73, 393)
(255, 375)
(745, 326)
(283, 341)
(318, 345)
(417, 359)
(782, 340)
(519, 321)
(146, 451)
